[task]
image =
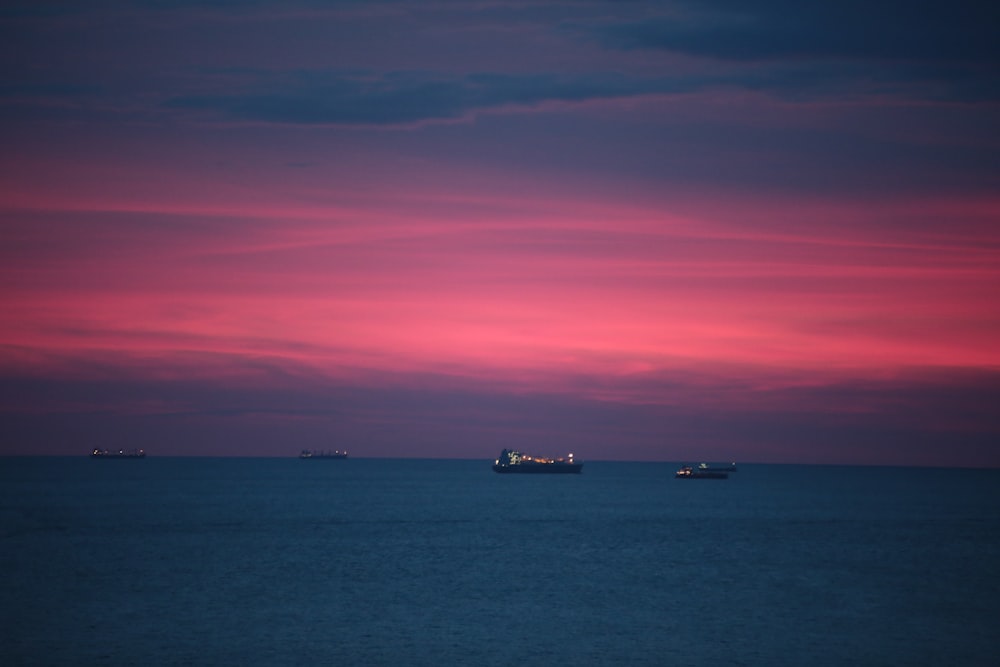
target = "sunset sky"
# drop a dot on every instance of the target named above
(693, 230)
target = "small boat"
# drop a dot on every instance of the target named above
(687, 472)
(318, 454)
(119, 454)
(512, 461)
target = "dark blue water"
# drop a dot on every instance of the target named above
(371, 562)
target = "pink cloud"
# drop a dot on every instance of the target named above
(552, 288)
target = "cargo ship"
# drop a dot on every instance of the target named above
(120, 454)
(687, 472)
(316, 454)
(512, 461)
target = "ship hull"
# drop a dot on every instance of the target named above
(117, 456)
(539, 469)
(687, 472)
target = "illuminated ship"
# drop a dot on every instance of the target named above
(687, 472)
(511, 461)
(310, 454)
(120, 454)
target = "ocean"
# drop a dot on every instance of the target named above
(255, 561)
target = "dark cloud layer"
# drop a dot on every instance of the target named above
(920, 52)
(403, 97)
(959, 32)
(926, 50)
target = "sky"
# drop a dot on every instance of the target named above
(646, 231)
